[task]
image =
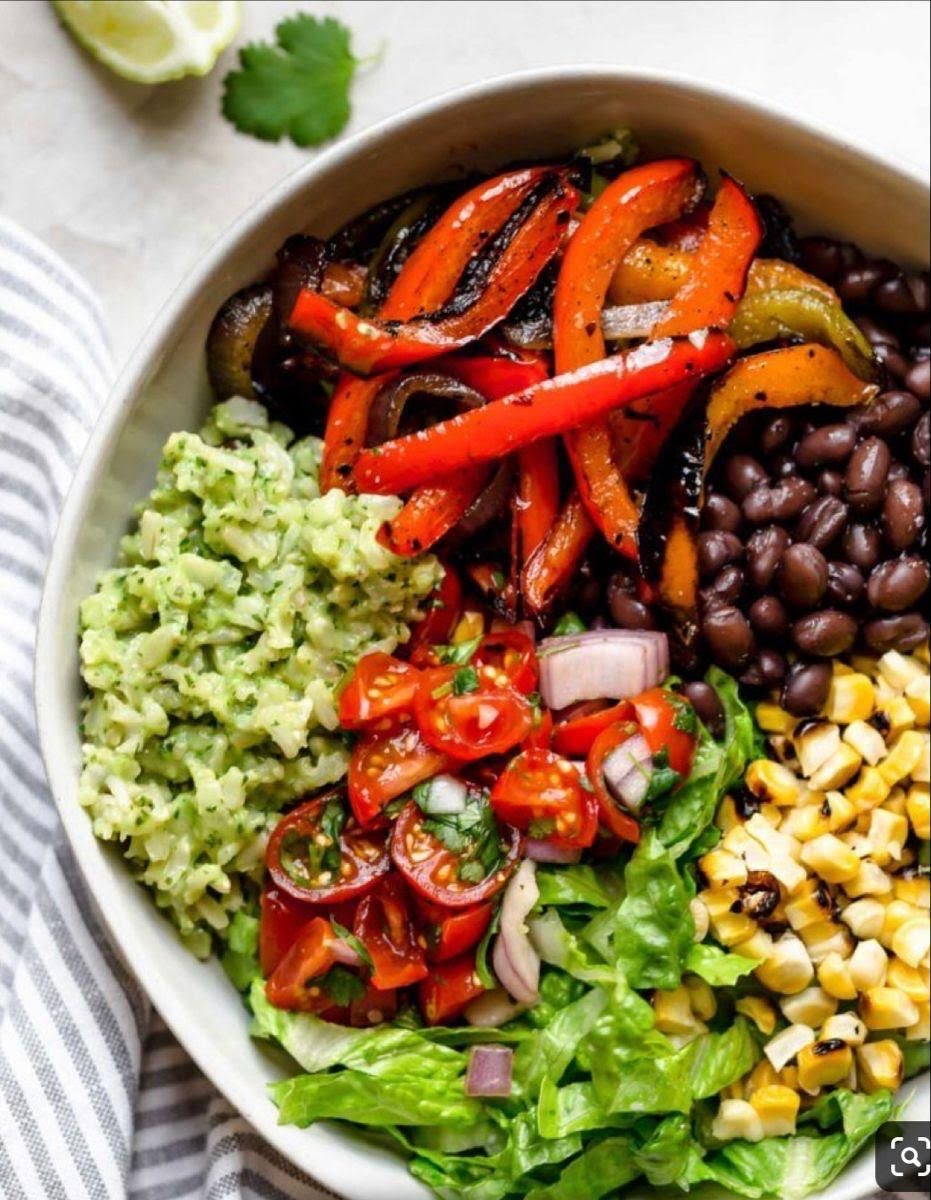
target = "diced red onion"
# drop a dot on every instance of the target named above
(492, 1009)
(543, 851)
(603, 664)
(516, 963)
(632, 320)
(489, 1071)
(445, 794)
(345, 954)
(628, 770)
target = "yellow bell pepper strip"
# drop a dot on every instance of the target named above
(544, 410)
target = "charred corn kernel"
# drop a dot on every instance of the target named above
(923, 652)
(868, 965)
(898, 670)
(470, 625)
(888, 833)
(759, 1011)
(782, 749)
(895, 914)
(899, 714)
(918, 809)
(764, 1074)
(850, 698)
(727, 817)
(804, 823)
(733, 1091)
(700, 918)
(880, 1065)
(870, 880)
(908, 979)
(737, 1119)
(921, 1030)
(912, 940)
(777, 1107)
(673, 1011)
(782, 852)
(858, 842)
(787, 1044)
(718, 900)
(811, 1007)
(723, 869)
(864, 918)
(823, 1064)
(788, 969)
(868, 789)
(887, 1008)
(921, 772)
(837, 811)
(914, 889)
(916, 693)
(773, 719)
(845, 1027)
(895, 801)
(866, 740)
(839, 769)
(828, 857)
(815, 742)
(788, 1077)
(903, 757)
(759, 946)
(834, 977)
(772, 814)
(810, 902)
(731, 928)
(824, 938)
(773, 782)
(839, 667)
(701, 997)
(866, 664)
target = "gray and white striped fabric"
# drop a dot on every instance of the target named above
(97, 1099)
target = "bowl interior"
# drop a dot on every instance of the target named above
(829, 187)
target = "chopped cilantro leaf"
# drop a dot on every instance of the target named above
(541, 827)
(472, 835)
(351, 940)
(684, 718)
(306, 854)
(569, 622)
(459, 654)
(465, 680)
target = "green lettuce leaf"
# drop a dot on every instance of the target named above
(600, 1169)
(717, 966)
(578, 885)
(394, 1095)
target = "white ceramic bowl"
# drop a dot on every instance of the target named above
(830, 186)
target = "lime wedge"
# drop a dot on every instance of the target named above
(151, 41)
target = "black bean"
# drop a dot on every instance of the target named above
(728, 583)
(890, 413)
(903, 295)
(877, 335)
(764, 550)
(898, 584)
(862, 546)
(825, 633)
(827, 257)
(720, 512)
(769, 618)
(628, 612)
(905, 633)
(729, 636)
(806, 688)
(865, 477)
(781, 465)
(716, 547)
(743, 473)
(782, 502)
(895, 362)
(918, 378)
(921, 440)
(829, 444)
(803, 576)
(830, 483)
(770, 667)
(845, 583)
(706, 702)
(855, 284)
(776, 433)
(822, 522)
(897, 470)
(903, 513)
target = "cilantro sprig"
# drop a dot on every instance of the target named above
(472, 835)
(297, 88)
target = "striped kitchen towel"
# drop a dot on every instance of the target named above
(97, 1099)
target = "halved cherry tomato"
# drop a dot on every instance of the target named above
(383, 925)
(291, 983)
(613, 817)
(449, 932)
(380, 686)
(442, 608)
(281, 919)
(667, 721)
(511, 653)
(385, 764)
(435, 871)
(448, 989)
(488, 720)
(543, 795)
(319, 854)
(541, 736)
(575, 735)
(374, 1008)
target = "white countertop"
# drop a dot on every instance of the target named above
(132, 183)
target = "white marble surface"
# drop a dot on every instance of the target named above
(132, 183)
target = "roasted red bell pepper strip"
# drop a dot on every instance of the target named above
(426, 281)
(550, 568)
(638, 432)
(637, 200)
(719, 271)
(367, 347)
(548, 408)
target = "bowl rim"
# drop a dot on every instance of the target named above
(118, 407)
